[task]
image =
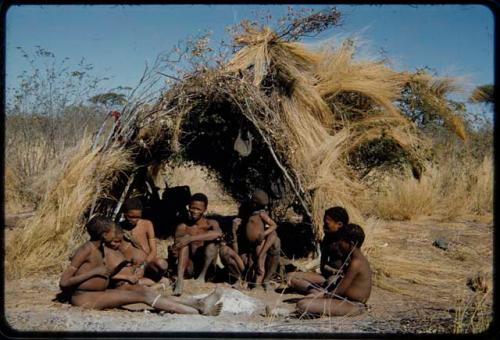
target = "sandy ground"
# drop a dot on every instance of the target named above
(422, 299)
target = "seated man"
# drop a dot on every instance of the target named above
(353, 290)
(140, 233)
(306, 283)
(87, 277)
(195, 245)
(256, 249)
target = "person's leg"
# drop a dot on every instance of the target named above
(155, 269)
(112, 298)
(232, 261)
(259, 271)
(182, 263)
(329, 307)
(209, 257)
(207, 305)
(305, 283)
(273, 259)
(161, 264)
(245, 274)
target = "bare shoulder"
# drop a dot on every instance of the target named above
(356, 264)
(264, 215)
(212, 223)
(145, 224)
(359, 263)
(181, 227)
(84, 250)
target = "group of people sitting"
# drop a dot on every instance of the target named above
(119, 265)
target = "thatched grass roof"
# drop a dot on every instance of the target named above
(307, 110)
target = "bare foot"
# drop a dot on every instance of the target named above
(178, 288)
(200, 279)
(215, 310)
(208, 303)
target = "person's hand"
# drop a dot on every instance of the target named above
(182, 242)
(331, 270)
(236, 224)
(330, 282)
(102, 271)
(138, 271)
(133, 279)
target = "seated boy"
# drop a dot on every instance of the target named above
(86, 280)
(256, 249)
(350, 296)
(140, 233)
(306, 283)
(195, 245)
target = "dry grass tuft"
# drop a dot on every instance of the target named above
(446, 191)
(15, 201)
(473, 314)
(47, 239)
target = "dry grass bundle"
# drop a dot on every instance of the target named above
(446, 191)
(480, 193)
(321, 81)
(14, 200)
(47, 239)
(432, 92)
(26, 158)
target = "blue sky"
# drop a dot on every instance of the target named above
(455, 40)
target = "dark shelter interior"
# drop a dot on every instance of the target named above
(215, 135)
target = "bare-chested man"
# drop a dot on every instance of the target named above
(350, 296)
(140, 233)
(256, 249)
(309, 282)
(87, 278)
(195, 244)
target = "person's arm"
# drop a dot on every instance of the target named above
(214, 233)
(150, 234)
(132, 278)
(236, 224)
(350, 275)
(180, 237)
(268, 242)
(269, 221)
(68, 278)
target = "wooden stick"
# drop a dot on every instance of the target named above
(273, 154)
(123, 196)
(99, 133)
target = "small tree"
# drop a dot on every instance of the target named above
(483, 94)
(110, 100)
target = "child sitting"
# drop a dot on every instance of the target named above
(306, 283)
(353, 290)
(140, 233)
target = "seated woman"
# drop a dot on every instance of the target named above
(128, 262)
(86, 281)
